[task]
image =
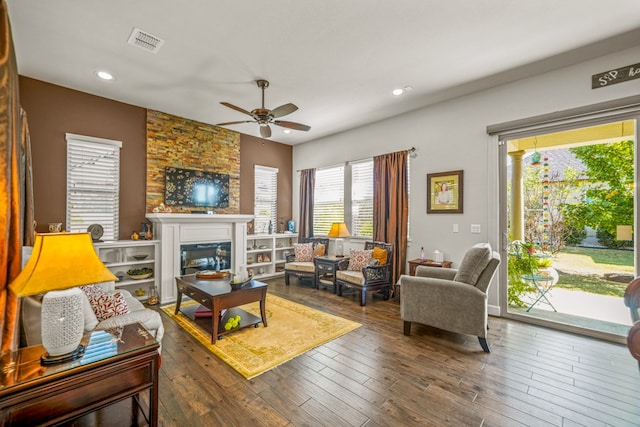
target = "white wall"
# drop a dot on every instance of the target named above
(452, 135)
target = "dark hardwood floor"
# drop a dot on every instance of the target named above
(376, 376)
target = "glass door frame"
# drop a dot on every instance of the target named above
(499, 142)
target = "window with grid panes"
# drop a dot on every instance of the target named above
(93, 184)
(328, 205)
(265, 206)
(362, 198)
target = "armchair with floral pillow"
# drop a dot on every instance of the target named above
(367, 270)
(300, 264)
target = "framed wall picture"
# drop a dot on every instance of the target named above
(444, 192)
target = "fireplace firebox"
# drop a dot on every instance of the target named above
(205, 256)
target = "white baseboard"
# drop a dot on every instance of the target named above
(494, 310)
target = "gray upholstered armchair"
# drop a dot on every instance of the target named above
(451, 299)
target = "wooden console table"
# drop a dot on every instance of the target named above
(103, 387)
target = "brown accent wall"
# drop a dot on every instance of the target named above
(263, 152)
(54, 110)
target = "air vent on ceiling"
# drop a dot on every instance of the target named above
(145, 40)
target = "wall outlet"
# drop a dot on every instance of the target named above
(475, 228)
(455, 228)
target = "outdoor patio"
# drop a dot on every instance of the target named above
(598, 312)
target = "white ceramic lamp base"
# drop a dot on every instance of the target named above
(62, 321)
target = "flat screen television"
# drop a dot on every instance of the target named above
(195, 188)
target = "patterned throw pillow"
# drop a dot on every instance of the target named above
(319, 250)
(304, 252)
(359, 259)
(107, 306)
(92, 291)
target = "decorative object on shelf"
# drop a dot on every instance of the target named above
(140, 257)
(270, 227)
(153, 295)
(140, 292)
(338, 231)
(422, 254)
(161, 208)
(438, 256)
(140, 273)
(143, 230)
(55, 227)
(291, 226)
(59, 263)
(445, 192)
(135, 236)
(96, 232)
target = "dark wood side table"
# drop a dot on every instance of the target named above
(414, 263)
(326, 267)
(101, 388)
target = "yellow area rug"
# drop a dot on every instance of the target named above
(292, 330)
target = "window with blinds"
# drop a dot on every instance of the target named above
(328, 206)
(362, 198)
(93, 184)
(265, 205)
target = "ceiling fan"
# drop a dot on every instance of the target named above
(264, 117)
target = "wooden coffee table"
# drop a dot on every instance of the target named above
(217, 295)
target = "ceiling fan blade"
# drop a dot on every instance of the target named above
(291, 125)
(265, 131)
(233, 107)
(234, 123)
(283, 110)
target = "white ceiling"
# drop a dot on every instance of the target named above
(337, 60)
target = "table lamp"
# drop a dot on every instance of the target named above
(338, 231)
(59, 263)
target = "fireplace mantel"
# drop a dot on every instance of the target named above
(183, 218)
(177, 229)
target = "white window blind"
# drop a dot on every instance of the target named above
(362, 198)
(328, 206)
(93, 184)
(265, 206)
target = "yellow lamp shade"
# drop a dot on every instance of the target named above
(339, 229)
(60, 261)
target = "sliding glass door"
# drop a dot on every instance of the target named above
(568, 213)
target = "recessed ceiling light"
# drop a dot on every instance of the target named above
(287, 131)
(104, 75)
(397, 92)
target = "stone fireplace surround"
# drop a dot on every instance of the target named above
(174, 230)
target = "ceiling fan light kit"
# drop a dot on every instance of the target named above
(264, 117)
